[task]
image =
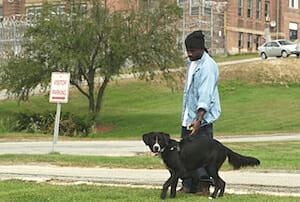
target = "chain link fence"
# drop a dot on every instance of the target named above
(12, 30)
(208, 16)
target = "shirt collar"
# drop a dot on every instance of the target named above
(199, 60)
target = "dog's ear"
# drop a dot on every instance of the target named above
(166, 137)
(146, 138)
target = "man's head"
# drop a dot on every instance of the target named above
(195, 45)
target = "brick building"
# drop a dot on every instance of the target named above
(249, 23)
(230, 26)
(23, 7)
(207, 16)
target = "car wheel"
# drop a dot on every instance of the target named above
(263, 56)
(284, 54)
(298, 55)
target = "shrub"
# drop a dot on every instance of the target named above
(7, 124)
(70, 124)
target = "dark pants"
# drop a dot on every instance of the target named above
(206, 130)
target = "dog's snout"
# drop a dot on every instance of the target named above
(156, 148)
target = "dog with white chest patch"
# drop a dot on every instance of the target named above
(183, 158)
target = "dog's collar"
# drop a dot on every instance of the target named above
(175, 147)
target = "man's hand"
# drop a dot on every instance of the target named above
(195, 126)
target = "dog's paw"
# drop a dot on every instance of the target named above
(211, 198)
(163, 195)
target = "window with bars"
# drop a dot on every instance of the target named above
(33, 12)
(293, 35)
(258, 9)
(58, 9)
(293, 4)
(207, 8)
(240, 7)
(257, 41)
(267, 8)
(194, 7)
(180, 3)
(241, 40)
(249, 8)
(250, 41)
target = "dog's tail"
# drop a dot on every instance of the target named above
(238, 160)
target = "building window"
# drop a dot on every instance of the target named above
(293, 4)
(194, 7)
(1, 12)
(82, 8)
(241, 41)
(250, 41)
(180, 3)
(257, 41)
(58, 9)
(293, 35)
(267, 8)
(258, 9)
(33, 12)
(293, 31)
(249, 8)
(240, 7)
(207, 8)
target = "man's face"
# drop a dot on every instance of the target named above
(194, 54)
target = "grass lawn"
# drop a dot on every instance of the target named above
(28, 191)
(132, 108)
(235, 57)
(273, 155)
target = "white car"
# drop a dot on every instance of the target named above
(278, 48)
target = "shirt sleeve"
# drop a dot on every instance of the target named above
(206, 85)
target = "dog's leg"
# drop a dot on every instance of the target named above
(222, 185)
(212, 171)
(166, 185)
(173, 187)
(195, 182)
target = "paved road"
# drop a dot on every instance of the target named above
(237, 181)
(114, 148)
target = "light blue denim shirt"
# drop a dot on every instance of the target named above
(202, 91)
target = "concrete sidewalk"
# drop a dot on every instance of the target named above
(237, 181)
(116, 148)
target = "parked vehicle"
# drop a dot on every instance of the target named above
(278, 48)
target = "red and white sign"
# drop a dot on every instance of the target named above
(59, 92)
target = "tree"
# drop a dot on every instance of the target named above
(94, 43)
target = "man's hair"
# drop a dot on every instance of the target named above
(195, 40)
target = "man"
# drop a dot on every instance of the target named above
(201, 103)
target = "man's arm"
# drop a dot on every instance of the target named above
(196, 123)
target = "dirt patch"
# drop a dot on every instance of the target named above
(103, 128)
(276, 71)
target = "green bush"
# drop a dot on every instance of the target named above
(7, 124)
(70, 124)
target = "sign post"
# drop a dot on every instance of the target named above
(59, 93)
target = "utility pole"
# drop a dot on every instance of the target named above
(183, 25)
(14, 19)
(277, 16)
(211, 27)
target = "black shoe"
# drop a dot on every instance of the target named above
(203, 189)
(210, 181)
(184, 189)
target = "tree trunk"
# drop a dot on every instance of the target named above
(91, 85)
(101, 93)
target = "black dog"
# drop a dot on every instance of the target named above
(183, 158)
